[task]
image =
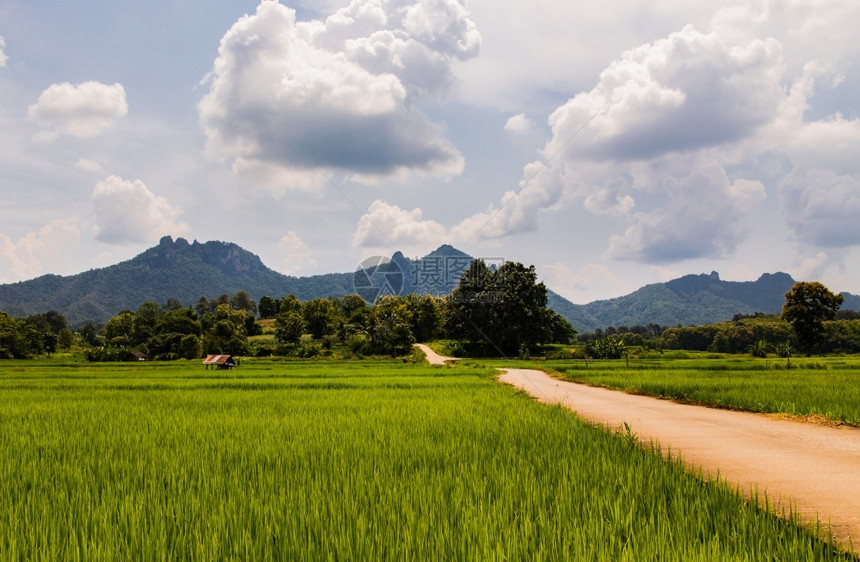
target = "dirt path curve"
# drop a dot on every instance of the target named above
(814, 468)
(432, 357)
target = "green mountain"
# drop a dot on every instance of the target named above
(179, 269)
(689, 300)
(186, 271)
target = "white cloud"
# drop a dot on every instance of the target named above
(296, 254)
(685, 92)
(609, 202)
(128, 212)
(517, 211)
(533, 49)
(80, 110)
(387, 225)
(289, 99)
(671, 116)
(518, 123)
(705, 217)
(3, 57)
(39, 252)
(88, 165)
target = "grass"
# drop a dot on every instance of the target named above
(342, 460)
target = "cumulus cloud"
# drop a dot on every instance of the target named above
(518, 123)
(296, 254)
(80, 110)
(127, 212)
(38, 252)
(389, 225)
(517, 211)
(678, 116)
(684, 92)
(288, 99)
(3, 57)
(703, 218)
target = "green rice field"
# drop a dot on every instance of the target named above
(365, 460)
(827, 387)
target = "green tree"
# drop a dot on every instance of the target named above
(503, 308)
(426, 317)
(145, 319)
(120, 326)
(243, 301)
(89, 333)
(290, 303)
(65, 339)
(190, 347)
(8, 337)
(320, 316)
(611, 347)
(225, 331)
(268, 307)
(289, 327)
(389, 331)
(807, 306)
(202, 307)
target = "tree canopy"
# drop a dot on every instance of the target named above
(807, 306)
(504, 308)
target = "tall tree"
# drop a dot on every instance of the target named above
(243, 301)
(118, 329)
(268, 307)
(807, 306)
(504, 308)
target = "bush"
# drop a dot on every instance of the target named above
(606, 348)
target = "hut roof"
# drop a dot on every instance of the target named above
(218, 359)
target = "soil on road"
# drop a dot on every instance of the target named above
(814, 469)
(432, 357)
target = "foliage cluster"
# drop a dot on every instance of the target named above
(33, 336)
(760, 336)
(504, 308)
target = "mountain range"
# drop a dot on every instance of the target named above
(186, 271)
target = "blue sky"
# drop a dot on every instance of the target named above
(609, 145)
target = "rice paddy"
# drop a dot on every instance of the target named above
(372, 460)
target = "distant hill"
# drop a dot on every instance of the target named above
(186, 271)
(175, 269)
(689, 300)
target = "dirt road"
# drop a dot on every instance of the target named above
(816, 469)
(432, 357)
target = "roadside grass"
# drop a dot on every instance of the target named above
(818, 386)
(343, 460)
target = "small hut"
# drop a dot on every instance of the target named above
(220, 362)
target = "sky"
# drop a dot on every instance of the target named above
(609, 145)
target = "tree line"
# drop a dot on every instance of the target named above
(502, 310)
(811, 322)
(493, 311)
